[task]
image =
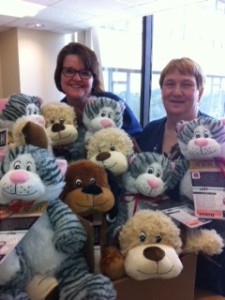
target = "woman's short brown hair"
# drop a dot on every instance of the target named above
(185, 66)
(88, 58)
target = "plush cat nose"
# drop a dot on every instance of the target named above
(106, 123)
(201, 142)
(19, 176)
(153, 183)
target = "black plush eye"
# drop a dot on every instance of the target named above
(158, 238)
(92, 181)
(28, 168)
(16, 166)
(151, 171)
(112, 148)
(52, 121)
(61, 120)
(158, 174)
(206, 135)
(103, 114)
(142, 237)
(78, 182)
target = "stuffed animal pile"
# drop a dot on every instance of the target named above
(50, 258)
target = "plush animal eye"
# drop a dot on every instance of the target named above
(16, 166)
(112, 148)
(61, 120)
(92, 181)
(158, 174)
(28, 168)
(142, 237)
(52, 121)
(110, 115)
(103, 114)
(206, 135)
(150, 171)
(158, 238)
(78, 182)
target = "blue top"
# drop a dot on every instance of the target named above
(130, 123)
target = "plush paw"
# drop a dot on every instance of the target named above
(206, 241)
(112, 263)
(41, 287)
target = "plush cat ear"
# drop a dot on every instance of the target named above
(122, 106)
(62, 164)
(180, 125)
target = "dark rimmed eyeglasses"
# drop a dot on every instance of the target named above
(70, 72)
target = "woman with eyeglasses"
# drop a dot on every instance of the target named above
(77, 76)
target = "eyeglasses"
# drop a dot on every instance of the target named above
(70, 72)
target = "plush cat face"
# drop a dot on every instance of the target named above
(150, 174)
(31, 173)
(202, 138)
(103, 112)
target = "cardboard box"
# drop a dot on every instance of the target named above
(179, 288)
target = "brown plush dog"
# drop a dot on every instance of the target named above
(87, 190)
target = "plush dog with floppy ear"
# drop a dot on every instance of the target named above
(150, 244)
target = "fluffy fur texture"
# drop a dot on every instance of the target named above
(102, 112)
(54, 244)
(66, 138)
(110, 148)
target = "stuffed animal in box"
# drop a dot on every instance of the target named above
(67, 139)
(151, 243)
(102, 112)
(148, 177)
(53, 247)
(202, 138)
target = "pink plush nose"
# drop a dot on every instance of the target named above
(201, 142)
(153, 183)
(106, 123)
(19, 177)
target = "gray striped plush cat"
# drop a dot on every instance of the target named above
(53, 246)
(102, 112)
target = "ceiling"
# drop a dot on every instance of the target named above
(66, 16)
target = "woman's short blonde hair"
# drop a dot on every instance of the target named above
(185, 66)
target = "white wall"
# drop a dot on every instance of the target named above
(37, 53)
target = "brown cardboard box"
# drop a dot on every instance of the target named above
(179, 288)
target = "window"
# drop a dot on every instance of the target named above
(196, 32)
